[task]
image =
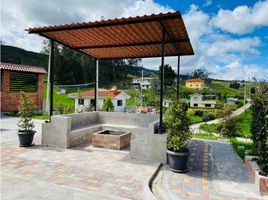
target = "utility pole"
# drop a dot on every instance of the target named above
(141, 85)
(245, 93)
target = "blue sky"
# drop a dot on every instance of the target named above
(229, 37)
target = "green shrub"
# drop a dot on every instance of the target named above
(26, 112)
(190, 112)
(177, 126)
(199, 113)
(60, 108)
(207, 116)
(259, 125)
(230, 127)
(108, 105)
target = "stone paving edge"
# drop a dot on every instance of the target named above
(147, 187)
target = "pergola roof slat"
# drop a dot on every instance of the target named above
(131, 37)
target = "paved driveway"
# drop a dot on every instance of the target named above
(83, 172)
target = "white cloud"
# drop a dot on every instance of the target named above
(238, 71)
(219, 53)
(207, 3)
(242, 19)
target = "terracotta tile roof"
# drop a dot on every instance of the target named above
(22, 68)
(132, 37)
(101, 93)
(194, 79)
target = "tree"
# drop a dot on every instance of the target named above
(230, 126)
(169, 75)
(201, 73)
(252, 90)
(108, 105)
(234, 85)
(259, 125)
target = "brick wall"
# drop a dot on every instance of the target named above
(10, 100)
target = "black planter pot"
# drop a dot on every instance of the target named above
(26, 138)
(178, 161)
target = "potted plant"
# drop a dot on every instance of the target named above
(25, 124)
(177, 127)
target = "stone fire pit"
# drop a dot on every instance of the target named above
(111, 139)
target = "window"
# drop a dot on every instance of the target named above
(92, 102)
(26, 82)
(119, 103)
(195, 105)
(80, 101)
(207, 105)
(196, 85)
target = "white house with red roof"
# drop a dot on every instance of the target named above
(85, 99)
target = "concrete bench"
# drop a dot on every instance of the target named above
(66, 131)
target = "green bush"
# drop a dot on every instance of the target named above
(108, 105)
(230, 127)
(177, 126)
(259, 125)
(199, 113)
(26, 112)
(207, 116)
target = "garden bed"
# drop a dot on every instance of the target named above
(261, 182)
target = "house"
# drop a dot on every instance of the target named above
(143, 83)
(16, 78)
(203, 101)
(232, 100)
(86, 99)
(167, 103)
(61, 91)
(195, 83)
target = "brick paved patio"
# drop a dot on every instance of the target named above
(198, 183)
(102, 171)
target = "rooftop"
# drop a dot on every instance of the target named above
(133, 37)
(194, 79)
(22, 68)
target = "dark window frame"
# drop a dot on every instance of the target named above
(121, 102)
(81, 100)
(23, 81)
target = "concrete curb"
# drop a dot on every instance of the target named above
(147, 187)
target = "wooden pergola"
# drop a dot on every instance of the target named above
(134, 37)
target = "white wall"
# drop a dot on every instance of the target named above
(80, 108)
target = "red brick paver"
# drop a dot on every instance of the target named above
(87, 168)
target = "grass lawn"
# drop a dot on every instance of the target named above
(43, 117)
(241, 152)
(209, 127)
(244, 121)
(195, 119)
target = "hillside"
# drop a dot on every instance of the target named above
(73, 68)
(17, 55)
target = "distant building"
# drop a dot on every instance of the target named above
(167, 103)
(144, 83)
(232, 100)
(86, 99)
(203, 101)
(195, 83)
(16, 78)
